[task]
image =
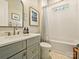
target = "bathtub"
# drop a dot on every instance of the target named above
(62, 48)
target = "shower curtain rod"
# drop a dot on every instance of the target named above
(53, 4)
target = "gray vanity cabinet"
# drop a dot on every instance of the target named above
(27, 49)
(21, 55)
(12, 49)
(33, 48)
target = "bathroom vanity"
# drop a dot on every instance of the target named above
(20, 47)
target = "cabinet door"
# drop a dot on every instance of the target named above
(21, 55)
(34, 51)
(12, 49)
(33, 48)
(32, 41)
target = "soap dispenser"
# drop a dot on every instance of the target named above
(26, 30)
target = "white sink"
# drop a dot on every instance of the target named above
(16, 36)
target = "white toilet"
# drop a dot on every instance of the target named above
(45, 49)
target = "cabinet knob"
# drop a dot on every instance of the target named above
(24, 54)
(32, 51)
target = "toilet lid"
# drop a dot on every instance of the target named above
(44, 44)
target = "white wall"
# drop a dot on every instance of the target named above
(3, 12)
(54, 1)
(35, 4)
(44, 3)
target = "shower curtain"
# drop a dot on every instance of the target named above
(61, 21)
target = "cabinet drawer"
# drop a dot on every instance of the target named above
(12, 49)
(32, 41)
(34, 50)
(21, 55)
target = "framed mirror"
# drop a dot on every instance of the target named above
(15, 13)
(11, 13)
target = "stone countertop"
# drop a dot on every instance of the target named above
(6, 40)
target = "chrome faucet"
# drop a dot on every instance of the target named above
(14, 30)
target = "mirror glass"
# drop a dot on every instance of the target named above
(11, 13)
(15, 13)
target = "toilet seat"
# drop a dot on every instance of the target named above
(44, 44)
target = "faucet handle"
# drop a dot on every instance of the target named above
(8, 33)
(18, 32)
